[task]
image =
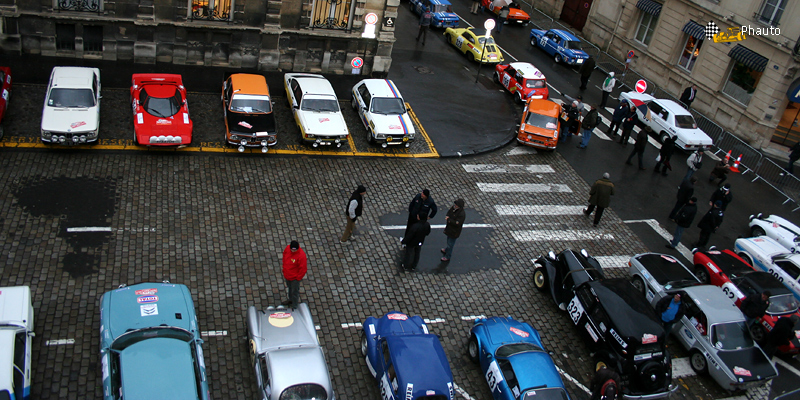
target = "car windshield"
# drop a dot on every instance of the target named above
(60, 97)
(304, 391)
(782, 304)
(163, 107)
(541, 121)
(135, 336)
(516, 348)
(680, 284)
(730, 336)
(685, 122)
(555, 393)
(573, 45)
(435, 8)
(534, 83)
(320, 105)
(250, 104)
(388, 105)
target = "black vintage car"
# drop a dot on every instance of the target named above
(618, 324)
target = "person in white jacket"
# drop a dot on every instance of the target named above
(608, 86)
(694, 162)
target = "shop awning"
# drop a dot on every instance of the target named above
(749, 58)
(649, 6)
(695, 30)
(794, 91)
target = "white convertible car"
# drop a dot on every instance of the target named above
(766, 254)
(783, 231)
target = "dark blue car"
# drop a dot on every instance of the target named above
(408, 362)
(513, 360)
(562, 45)
(442, 10)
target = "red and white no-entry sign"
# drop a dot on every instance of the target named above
(641, 86)
(357, 62)
(371, 18)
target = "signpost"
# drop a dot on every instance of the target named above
(641, 86)
(489, 25)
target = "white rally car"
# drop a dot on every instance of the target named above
(783, 231)
(766, 254)
(383, 112)
(16, 335)
(669, 119)
(71, 113)
(315, 109)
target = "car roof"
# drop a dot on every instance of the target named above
(6, 357)
(714, 303)
(761, 281)
(664, 268)
(131, 307)
(632, 315)
(728, 263)
(249, 84)
(421, 361)
(14, 303)
(313, 84)
(285, 328)
(158, 367)
(74, 77)
(644, 97)
(544, 107)
(565, 34)
(673, 107)
(285, 364)
(766, 245)
(527, 70)
(381, 88)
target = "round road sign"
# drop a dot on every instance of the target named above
(641, 86)
(357, 62)
(489, 24)
(371, 18)
(630, 54)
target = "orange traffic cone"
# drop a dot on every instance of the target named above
(727, 157)
(735, 167)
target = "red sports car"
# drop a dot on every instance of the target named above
(523, 80)
(738, 279)
(5, 84)
(160, 110)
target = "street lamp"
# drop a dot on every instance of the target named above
(489, 25)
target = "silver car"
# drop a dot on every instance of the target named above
(653, 274)
(286, 355)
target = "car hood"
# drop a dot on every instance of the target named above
(177, 125)
(158, 368)
(535, 369)
(751, 361)
(763, 245)
(420, 361)
(693, 136)
(393, 124)
(251, 123)
(323, 123)
(147, 305)
(75, 120)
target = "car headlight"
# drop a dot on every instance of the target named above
(380, 136)
(46, 135)
(91, 135)
(310, 136)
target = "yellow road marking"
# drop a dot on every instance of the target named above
(424, 134)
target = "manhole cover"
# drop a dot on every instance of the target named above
(423, 70)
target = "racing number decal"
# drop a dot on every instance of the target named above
(506, 79)
(493, 376)
(775, 274)
(731, 291)
(543, 41)
(459, 41)
(5, 95)
(575, 310)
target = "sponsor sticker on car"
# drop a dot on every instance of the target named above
(668, 258)
(77, 124)
(321, 120)
(398, 317)
(649, 338)
(741, 371)
(148, 309)
(280, 319)
(162, 121)
(519, 332)
(142, 292)
(245, 124)
(147, 299)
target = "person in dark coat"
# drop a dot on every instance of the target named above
(794, 155)
(353, 210)
(720, 172)
(685, 192)
(586, 71)
(683, 218)
(670, 309)
(722, 195)
(413, 243)
(591, 121)
(422, 207)
(754, 306)
(454, 222)
(570, 126)
(606, 384)
(780, 335)
(709, 224)
(620, 113)
(600, 197)
(424, 24)
(628, 123)
(665, 154)
(638, 149)
(688, 96)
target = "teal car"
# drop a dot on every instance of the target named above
(150, 344)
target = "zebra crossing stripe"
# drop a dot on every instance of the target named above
(538, 210)
(510, 168)
(523, 187)
(613, 261)
(522, 150)
(554, 235)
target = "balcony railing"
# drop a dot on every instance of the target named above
(80, 5)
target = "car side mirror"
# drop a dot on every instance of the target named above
(551, 255)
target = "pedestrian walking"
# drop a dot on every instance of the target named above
(685, 192)
(353, 210)
(590, 122)
(709, 224)
(501, 18)
(688, 96)
(608, 86)
(421, 208)
(683, 218)
(720, 172)
(627, 125)
(723, 195)
(755, 305)
(606, 384)
(475, 6)
(620, 113)
(572, 122)
(413, 243)
(670, 309)
(794, 155)
(694, 162)
(454, 221)
(780, 335)
(586, 71)
(638, 149)
(600, 197)
(424, 23)
(295, 266)
(664, 155)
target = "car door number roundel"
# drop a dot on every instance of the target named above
(493, 376)
(506, 80)
(543, 41)
(575, 309)
(459, 41)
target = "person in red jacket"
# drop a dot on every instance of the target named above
(295, 266)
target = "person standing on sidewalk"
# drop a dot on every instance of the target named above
(353, 210)
(455, 221)
(638, 148)
(684, 218)
(586, 71)
(709, 224)
(627, 125)
(685, 192)
(620, 113)
(424, 23)
(295, 266)
(413, 243)
(665, 154)
(694, 162)
(591, 121)
(421, 208)
(608, 86)
(501, 18)
(600, 197)
(688, 96)
(794, 155)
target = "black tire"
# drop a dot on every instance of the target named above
(758, 332)
(2, 131)
(473, 349)
(540, 278)
(448, 38)
(533, 41)
(370, 137)
(638, 283)
(698, 362)
(746, 258)
(472, 57)
(558, 58)
(363, 345)
(354, 103)
(664, 136)
(757, 231)
(519, 98)
(702, 273)
(496, 77)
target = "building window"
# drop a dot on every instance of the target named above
(331, 14)
(771, 11)
(80, 5)
(65, 37)
(647, 24)
(690, 52)
(214, 10)
(93, 38)
(742, 82)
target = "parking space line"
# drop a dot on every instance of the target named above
(613, 261)
(523, 187)
(508, 168)
(434, 321)
(786, 365)
(463, 393)
(59, 342)
(422, 131)
(472, 317)
(681, 368)
(553, 235)
(351, 325)
(685, 252)
(538, 210)
(89, 229)
(573, 380)
(214, 333)
(522, 150)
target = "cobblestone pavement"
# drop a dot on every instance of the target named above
(218, 223)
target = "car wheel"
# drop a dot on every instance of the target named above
(370, 137)
(664, 137)
(746, 258)
(558, 58)
(2, 132)
(354, 103)
(472, 57)
(758, 332)
(448, 38)
(757, 231)
(539, 278)
(533, 41)
(638, 283)
(702, 273)
(519, 98)
(364, 345)
(698, 362)
(473, 349)
(496, 77)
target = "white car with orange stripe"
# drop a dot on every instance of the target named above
(383, 112)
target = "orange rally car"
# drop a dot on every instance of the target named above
(540, 125)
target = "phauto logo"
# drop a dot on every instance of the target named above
(737, 34)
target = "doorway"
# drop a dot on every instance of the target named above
(575, 12)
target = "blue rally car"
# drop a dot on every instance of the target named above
(443, 15)
(408, 362)
(150, 344)
(562, 45)
(513, 360)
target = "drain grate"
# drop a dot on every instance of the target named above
(423, 70)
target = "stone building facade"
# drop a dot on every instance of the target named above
(291, 35)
